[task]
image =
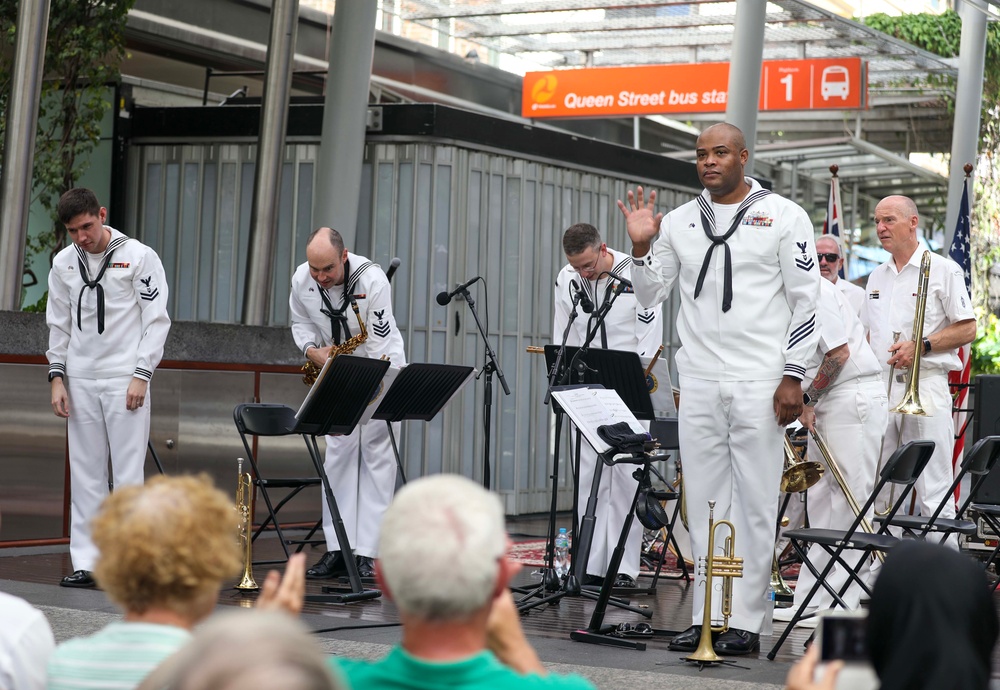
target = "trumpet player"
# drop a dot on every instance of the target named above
(847, 405)
(949, 323)
(628, 326)
(745, 265)
(320, 300)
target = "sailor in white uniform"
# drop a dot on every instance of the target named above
(746, 267)
(831, 260)
(108, 322)
(847, 405)
(322, 291)
(949, 323)
(627, 326)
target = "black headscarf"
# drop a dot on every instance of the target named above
(932, 623)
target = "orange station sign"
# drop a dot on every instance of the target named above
(700, 88)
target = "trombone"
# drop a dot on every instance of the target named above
(866, 524)
(910, 404)
(244, 494)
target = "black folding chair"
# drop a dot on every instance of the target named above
(651, 514)
(902, 469)
(264, 419)
(977, 462)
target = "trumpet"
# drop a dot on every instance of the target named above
(244, 491)
(910, 404)
(727, 567)
(311, 371)
(852, 502)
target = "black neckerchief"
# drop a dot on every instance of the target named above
(708, 225)
(338, 317)
(95, 284)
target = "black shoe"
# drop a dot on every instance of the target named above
(593, 581)
(624, 581)
(735, 642)
(686, 641)
(366, 566)
(81, 578)
(330, 565)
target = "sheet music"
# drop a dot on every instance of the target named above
(590, 408)
(313, 388)
(383, 388)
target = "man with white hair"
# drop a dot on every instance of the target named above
(830, 252)
(443, 562)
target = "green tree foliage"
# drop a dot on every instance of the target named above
(941, 34)
(85, 46)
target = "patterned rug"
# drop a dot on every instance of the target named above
(532, 553)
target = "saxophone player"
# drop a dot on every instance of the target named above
(322, 291)
(949, 323)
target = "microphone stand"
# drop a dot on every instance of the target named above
(558, 375)
(492, 365)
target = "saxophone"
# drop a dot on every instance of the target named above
(310, 371)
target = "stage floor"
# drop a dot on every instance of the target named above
(34, 573)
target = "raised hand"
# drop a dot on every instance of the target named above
(641, 221)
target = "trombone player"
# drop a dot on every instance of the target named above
(949, 323)
(848, 407)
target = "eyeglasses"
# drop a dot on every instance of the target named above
(830, 258)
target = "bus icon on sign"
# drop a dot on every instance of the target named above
(835, 81)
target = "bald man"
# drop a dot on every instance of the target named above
(949, 323)
(323, 289)
(745, 265)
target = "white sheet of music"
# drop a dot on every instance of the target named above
(590, 408)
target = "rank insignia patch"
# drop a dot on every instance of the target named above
(150, 292)
(381, 327)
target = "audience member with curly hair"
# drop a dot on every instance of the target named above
(165, 549)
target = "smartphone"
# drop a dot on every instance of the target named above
(841, 636)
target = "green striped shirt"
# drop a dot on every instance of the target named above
(118, 657)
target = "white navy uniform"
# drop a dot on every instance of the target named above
(100, 338)
(890, 307)
(855, 294)
(631, 327)
(362, 486)
(732, 360)
(851, 417)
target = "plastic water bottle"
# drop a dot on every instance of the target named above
(767, 627)
(561, 562)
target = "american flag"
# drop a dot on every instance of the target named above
(831, 226)
(960, 253)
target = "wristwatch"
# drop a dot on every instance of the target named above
(927, 345)
(55, 375)
(807, 400)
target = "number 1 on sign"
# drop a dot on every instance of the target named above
(787, 81)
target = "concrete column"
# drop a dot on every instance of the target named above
(270, 150)
(744, 71)
(968, 101)
(345, 108)
(19, 147)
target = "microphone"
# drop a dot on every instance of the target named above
(621, 281)
(393, 265)
(585, 302)
(444, 297)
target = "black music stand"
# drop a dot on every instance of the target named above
(335, 405)
(419, 392)
(618, 370)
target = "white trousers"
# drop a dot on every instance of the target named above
(362, 483)
(934, 482)
(732, 450)
(99, 423)
(851, 418)
(614, 502)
